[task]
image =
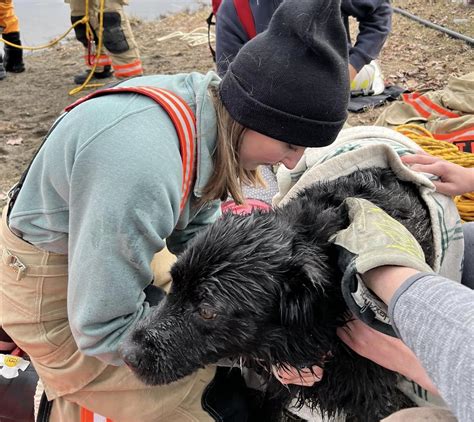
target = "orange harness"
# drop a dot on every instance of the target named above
(182, 117)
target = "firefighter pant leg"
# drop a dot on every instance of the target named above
(33, 300)
(13, 59)
(80, 30)
(78, 11)
(8, 19)
(118, 38)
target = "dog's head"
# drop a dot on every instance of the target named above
(244, 288)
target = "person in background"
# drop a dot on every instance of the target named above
(12, 61)
(120, 55)
(374, 18)
(114, 183)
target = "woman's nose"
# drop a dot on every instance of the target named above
(291, 161)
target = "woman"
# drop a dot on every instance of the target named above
(106, 192)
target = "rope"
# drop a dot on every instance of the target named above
(50, 44)
(425, 139)
(90, 36)
(84, 20)
(193, 38)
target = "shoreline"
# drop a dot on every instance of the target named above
(44, 20)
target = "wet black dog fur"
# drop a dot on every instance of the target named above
(265, 289)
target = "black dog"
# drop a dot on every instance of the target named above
(265, 289)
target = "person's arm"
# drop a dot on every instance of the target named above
(453, 178)
(387, 351)
(375, 23)
(124, 201)
(434, 316)
(208, 213)
(230, 36)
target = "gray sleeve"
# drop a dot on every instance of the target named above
(434, 316)
(468, 261)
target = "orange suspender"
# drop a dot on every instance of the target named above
(182, 117)
(88, 416)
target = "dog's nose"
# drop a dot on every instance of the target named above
(132, 359)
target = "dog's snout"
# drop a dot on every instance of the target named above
(131, 353)
(132, 359)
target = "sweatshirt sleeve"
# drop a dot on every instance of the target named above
(375, 23)
(209, 213)
(230, 36)
(124, 201)
(434, 316)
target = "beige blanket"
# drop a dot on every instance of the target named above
(372, 146)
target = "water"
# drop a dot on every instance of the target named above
(43, 20)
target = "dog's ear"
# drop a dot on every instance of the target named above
(303, 281)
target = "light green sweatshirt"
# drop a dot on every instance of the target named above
(105, 189)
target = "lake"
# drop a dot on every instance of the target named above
(43, 20)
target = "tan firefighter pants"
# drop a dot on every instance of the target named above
(33, 287)
(126, 64)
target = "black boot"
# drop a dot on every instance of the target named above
(13, 56)
(106, 73)
(3, 74)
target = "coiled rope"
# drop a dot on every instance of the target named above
(449, 152)
(197, 36)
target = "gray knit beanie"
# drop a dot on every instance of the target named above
(291, 82)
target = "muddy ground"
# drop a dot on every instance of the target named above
(414, 56)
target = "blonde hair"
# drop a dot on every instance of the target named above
(228, 174)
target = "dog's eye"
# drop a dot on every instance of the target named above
(207, 313)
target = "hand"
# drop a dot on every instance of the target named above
(454, 179)
(305, 377)
(386, 351)
(352, 73)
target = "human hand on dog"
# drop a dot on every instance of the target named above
(305, 377)
(453, 178)
(386, 351)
